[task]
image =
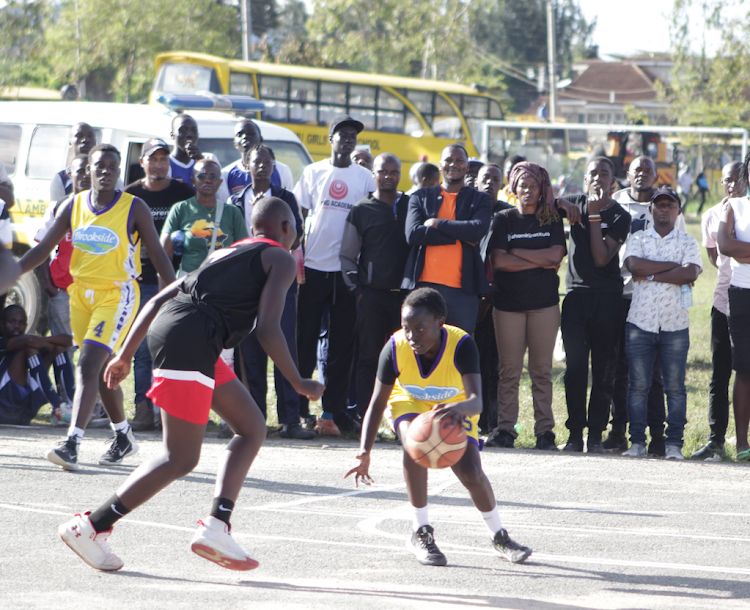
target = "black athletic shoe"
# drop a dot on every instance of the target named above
(657, 446)
(546, 441)
(502, 439)
(616, 441)
(509, 549)
(574, 445)
(298, 432)
(422, 544)
(65, 454)
(121, 446)
(594, 445)
(347, 423)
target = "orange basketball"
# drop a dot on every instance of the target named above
(435, 443)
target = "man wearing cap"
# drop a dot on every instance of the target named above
(471, 176)
(636, 200)
(325, 193)
(236, 176)
(160, 192)
(664, 262)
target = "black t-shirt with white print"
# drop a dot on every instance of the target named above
(532, 288)
(583, 274)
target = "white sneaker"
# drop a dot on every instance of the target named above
(214, 542)
(80, 535)
(674, 453)
(637, 450)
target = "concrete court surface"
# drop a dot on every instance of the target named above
(607, 532)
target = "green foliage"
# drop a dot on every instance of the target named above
(710, 91)
(21, 33)
(112, 45)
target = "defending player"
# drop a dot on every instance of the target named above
(213, 308)
(108, 227)
(429, 357)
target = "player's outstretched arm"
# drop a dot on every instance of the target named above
(39, 253)
(466, 408)
(144, 224)
(281, 269)
(370, 427)
(119, 367)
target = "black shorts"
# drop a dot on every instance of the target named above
(186, 347)
(739, 328)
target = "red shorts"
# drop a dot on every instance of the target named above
(187, 395)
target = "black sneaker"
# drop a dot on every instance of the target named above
(298, 432)
(546, 441)
(347, 423)
(502, 439)
(657, 447)
(574, 445)
(65, 454)
(422, 544)
(616, 441)
(712, 451)
(122, 445)
(508, 549)
(594, 445)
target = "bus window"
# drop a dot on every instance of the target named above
(445, 123)
(303, 96)
(422, 101)
(332, 101)
(362, 105)
(241, 83)
(476, 110)
(10, 138)
(495, 110)
(48, 151)
(274, 92)
(390, 115)
(187, 78)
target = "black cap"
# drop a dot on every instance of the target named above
(665, 191)
(154, 144)
(475, 161)
(344, 120)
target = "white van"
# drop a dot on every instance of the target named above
(34, 147)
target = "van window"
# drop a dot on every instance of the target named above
(187, 78)
(48, 152)
(10, 138)
(289, 153)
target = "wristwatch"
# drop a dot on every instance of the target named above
(650, 278)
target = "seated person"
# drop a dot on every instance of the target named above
(25, 385)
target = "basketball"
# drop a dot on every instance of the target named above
(435, 443)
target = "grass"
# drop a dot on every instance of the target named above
(697, 379)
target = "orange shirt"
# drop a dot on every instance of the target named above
(444, 264)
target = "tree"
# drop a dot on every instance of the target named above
(111, 47)
(704, 90)
(21, 33)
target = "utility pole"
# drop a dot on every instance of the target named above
(551, 47)
(247, 30)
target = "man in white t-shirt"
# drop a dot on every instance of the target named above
(325, 193)
(721, 346)
(236, 176)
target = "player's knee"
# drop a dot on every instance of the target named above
(470, 474)
(183, 463)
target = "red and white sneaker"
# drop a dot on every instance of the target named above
(213, 541)
(79, 534)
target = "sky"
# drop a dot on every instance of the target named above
(624, 28)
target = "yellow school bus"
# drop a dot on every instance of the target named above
(409, 117)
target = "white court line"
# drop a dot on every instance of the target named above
(456, 549)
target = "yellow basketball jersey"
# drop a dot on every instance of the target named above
(103, 248)
(441, 384)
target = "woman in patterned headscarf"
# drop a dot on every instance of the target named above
(526, 248)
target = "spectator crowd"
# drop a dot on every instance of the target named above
(489, 239)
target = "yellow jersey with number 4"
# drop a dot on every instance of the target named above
(103, 248)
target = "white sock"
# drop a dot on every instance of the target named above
(492, 521)
(420, 516)
(123, 426)
(77, 432)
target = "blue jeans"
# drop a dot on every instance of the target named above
(142, 364)
(641, 348)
